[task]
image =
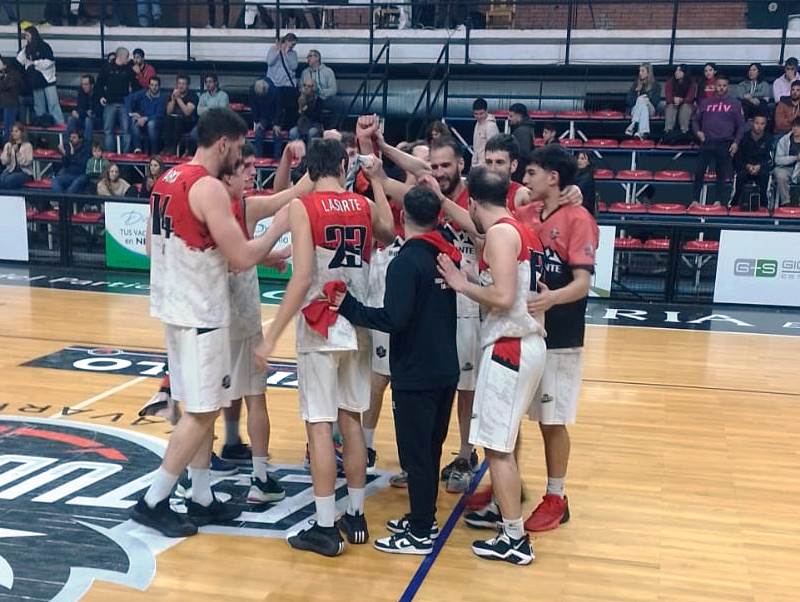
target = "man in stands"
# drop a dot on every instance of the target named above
(87, 116)
(323, 77)
(787, 109)
(264, 108)
(143, 71)
(181, 114)
(753, 161)
(781, 86)
(524, 132)
(213, 97)
(550, 134)
(72, 175)
(115, 82)
(147, 110)
(787, 162)
(485, 128)
(719, 125)
(282, 74)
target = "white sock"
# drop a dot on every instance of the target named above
(465, 452)
(369, 438)
(260, 468)
(201, 486)
(555, 486)
(160, 488)
(355, 499)
(232, 432)
(514, 528)
(326, 510)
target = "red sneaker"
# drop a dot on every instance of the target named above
(479, 499)
(551, 512)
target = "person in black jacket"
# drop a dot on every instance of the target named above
(752, 160)
(114, 83)
(419, 313)
(74, 156)
(88, 114)
(522, 128)
(584, 179)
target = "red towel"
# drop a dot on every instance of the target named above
(436, 239)
(318, 314)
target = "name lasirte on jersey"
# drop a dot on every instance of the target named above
(65, 492)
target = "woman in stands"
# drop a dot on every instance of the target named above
(709, 82)
(36, 57)
(679, 92)
(436, 129)
(753, 92)
(643, 98)
(111, 184)
(155, 167)
(584, 179)
(17, 159)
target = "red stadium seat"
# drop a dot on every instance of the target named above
(68, 102)
(571, 143)
(51, 215)
(627, 208)
(667, 209)
(673, 176)
(30, 213)
(43, 184)
(634, 174)
(602, 207)
(127, 157)
(627, 243)
(601, 143)
(603, 174)
(239, 107)
(701, 246)
(572, 115)
(707, 210)
(46, 154)
(637, 144)
(735, 211)
(790, 212)
(266, 162)
(88, 217)
(657, 244)
(608, 115)
(540, 114)
(538, 142)
(710, 176)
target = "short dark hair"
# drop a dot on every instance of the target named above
(791, 61)
(78, 132)
(519, 109)
(795, 83)
(487, 187)
(349, 140)
(549, 125)
(552, 157)
(504, 142)
(219, 123)
(325, 158)
(480, 104)
(97, 145)
(422, 206)
(212, 76)
(248, 150)
(88, 76)
(184, 76)
(723, 77)
(138, 51)
(757, 66)
(796, 121)
(289, 37)
(156, 78)
(447, 142)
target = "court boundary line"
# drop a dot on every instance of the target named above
(418, 578)
(100, 396)
(693, 387)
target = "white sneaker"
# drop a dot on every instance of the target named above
(405, 543)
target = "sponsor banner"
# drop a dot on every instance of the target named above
(283, 242)
(126, 232)
(13, 229)
(760, 268)
(604, 263)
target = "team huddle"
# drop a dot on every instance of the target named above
(445, 288)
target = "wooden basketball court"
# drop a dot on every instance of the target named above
(683, 483)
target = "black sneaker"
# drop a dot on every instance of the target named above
(163, 519)
(216, 512)
(502, 547)
(221, 468)
(473, 464)
(237, 453)
(459, 478)
(322, 540)
(401, 525)
(372, 458)
(262, 492)
(405, 543)
(354, 527)
(486, 518)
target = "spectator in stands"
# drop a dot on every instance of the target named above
(718, 125)
(753, 92)
(142, 70)
(437, 129)
(787, 110)
(679, 92)
(17, 159)
(213, 97)
(264, 107)
(643, 98)
(708, 85)
(485, 128)
(523, 130)
(753, 161)
(87, 115)
(782, 86)
(281, 73)
(550, 134)
(309, 122)
(155, 167)
(115, 82)
(111, 184)
(181, 114)
(10, 88)
(226, 13)
(36, 57)
(149, 13)
(71, 177)
(584, 179)
(95, 167)
(323, 77)
(787, 162)
(253, 9)
(147, 110)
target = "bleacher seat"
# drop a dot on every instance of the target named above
(701, 246)
(500, 114)
(30, 213)
(607, 115)
(602, 207)
(46, 154)
(541, 114)
(737, 212)
(572, 115)
(51, 215)
(601, 143)
(634, 174)
(262, 162)
(603, 174)
(627, 208)
(710, 176)
(238, 107)
(673, 175)
(127, 157)
(68, 102)
(571, 143)
(657, 244)
(637, 144)
(790, 212)
(88, 217)
(703, 210)
(43, 184)
(628, 244)
(667, 209)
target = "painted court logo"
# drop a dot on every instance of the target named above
(65, 492)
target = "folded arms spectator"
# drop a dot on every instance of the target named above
(787, 162)
(787, 110)
(147, 109)
(87, 115)
(753, 92)
(680, 92)
(753, 161)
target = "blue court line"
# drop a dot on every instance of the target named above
(427, 563)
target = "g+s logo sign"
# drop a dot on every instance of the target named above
(767, 268)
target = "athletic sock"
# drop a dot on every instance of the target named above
(514, 528)
(160, 488)
(326, 510)
(555, 486)
(201, 486)
(465, 452)
(232, 432)
(260, 468)
(355, 500)
(369, 438)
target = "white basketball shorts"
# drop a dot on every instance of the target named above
(246, 379)
(556, 400)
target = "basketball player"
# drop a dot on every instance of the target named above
(502, 157)
(513, 351)
(194, 240)
(331, 240)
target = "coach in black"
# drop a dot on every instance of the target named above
(419, 313)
